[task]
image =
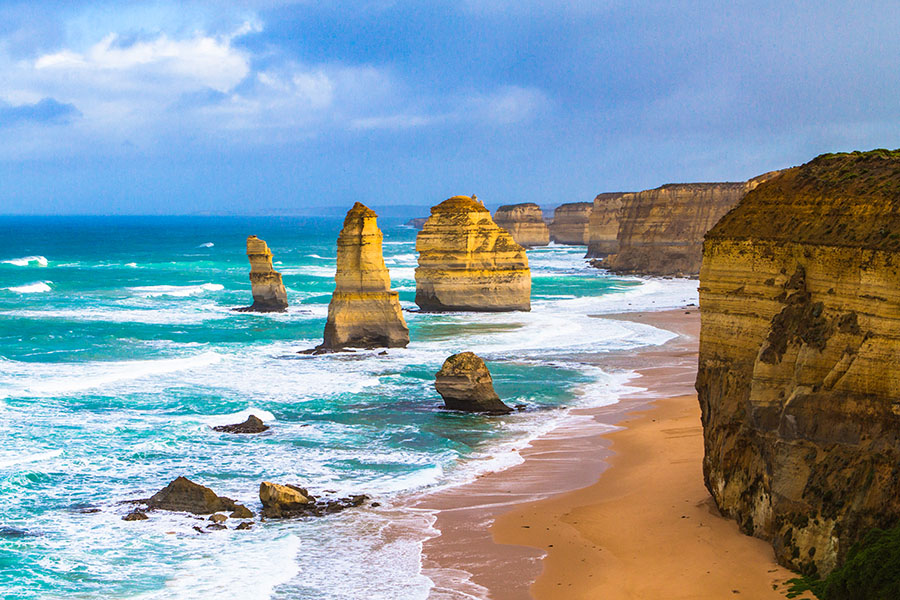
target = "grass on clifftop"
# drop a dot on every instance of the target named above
(870, 572)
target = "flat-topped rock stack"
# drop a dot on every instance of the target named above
(364, 312)
(267, 288)
(525, 222)
(570, 223)
(468, 263)
(603, 226)
(799, 372)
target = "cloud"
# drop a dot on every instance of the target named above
(46, 110)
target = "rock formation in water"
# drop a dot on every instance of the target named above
(799, 372)
(467, 262)
(417, 222)
(571, 223)
(269, 294)
(253, 424)
(286, 501)
(603, 227)
(525, 222)
(465, 383)
(661, 230)
(364, 312)
(183, 495)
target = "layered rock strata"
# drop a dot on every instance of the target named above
(661, 230)
(465, 384)
(468, 263)
(525, 222)
(603, 226)
(268, 290)
(571, 223)
(364, 312)
(799, 372)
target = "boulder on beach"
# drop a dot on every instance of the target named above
(253, 424)
(183, 495)
(465, 383)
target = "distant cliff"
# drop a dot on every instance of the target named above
(570, 223)
(603, 226)
(525, 222)
(799, 372)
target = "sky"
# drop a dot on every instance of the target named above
(277, 107)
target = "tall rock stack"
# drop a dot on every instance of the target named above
(364, 312)
(661, 230)
(468, 263)
(603, 226)
(525, 222)
(799, 372)
(571, 223)
(268, 290)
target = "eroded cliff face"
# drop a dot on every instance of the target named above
(603, 227)
(661, 230)
(467, 262)
(525, 222)
(364, 312)
(571, 223)
(267, 288)
(799, 372)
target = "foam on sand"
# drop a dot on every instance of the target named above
(27, 260)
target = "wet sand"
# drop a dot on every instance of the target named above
(611, 506)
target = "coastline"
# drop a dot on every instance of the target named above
(602, 492)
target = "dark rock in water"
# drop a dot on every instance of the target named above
(241, 512)
(285, 501)
(135, 515)
(244, 525)
(216, 526)
(465, 383)
(199, 529)
(253, 424)
(183, 495)
(14, 533)
(217, 518)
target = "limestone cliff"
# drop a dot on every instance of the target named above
(364, 312)
(525, 222)
(603, 226)
(799, 373)
(467, 262)
(570, 223)
(268, 291)
(661, 230)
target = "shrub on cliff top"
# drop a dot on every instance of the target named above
(871, 571)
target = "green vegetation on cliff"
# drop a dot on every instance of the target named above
(871, 571)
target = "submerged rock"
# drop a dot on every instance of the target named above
(525, 222)
(364, 312)
(468, 263)
(183, 495)
(465, 383)
(268, 290)
(135, 515)
(253, 424)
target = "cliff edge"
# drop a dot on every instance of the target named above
(525, 222)
(570, 223)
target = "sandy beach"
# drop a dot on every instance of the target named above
(610, 507)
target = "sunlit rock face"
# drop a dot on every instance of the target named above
(603, 225)
(364, 312)
(571, 223)
(468, 263)
(525, 222)
(799, 372)
(267, 288)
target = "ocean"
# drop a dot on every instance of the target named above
(119, 351)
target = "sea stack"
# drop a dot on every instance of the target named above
(268, 291)
(468, 263)
(661, 230)
(364, 312)
(571, 223)
(465, 384)
(799, 366)
(603, 227)
(525, 222)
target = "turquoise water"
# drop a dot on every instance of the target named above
(118, 351)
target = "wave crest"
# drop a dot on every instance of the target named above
(26, 260)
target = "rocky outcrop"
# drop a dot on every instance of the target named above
(183, 495)
(253, 424)
(468, 263)
(416, 223)
(799, 366)
(603, 227)
(571, 223)
(268, 291)
(661, 230)
(465, 383)
(525, 222)
(286, 501)
(364, 312)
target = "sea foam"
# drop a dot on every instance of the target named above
(31, 288)
(152, 291)
(27, 260)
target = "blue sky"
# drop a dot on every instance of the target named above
(278, 107)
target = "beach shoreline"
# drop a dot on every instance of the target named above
(591, 512)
